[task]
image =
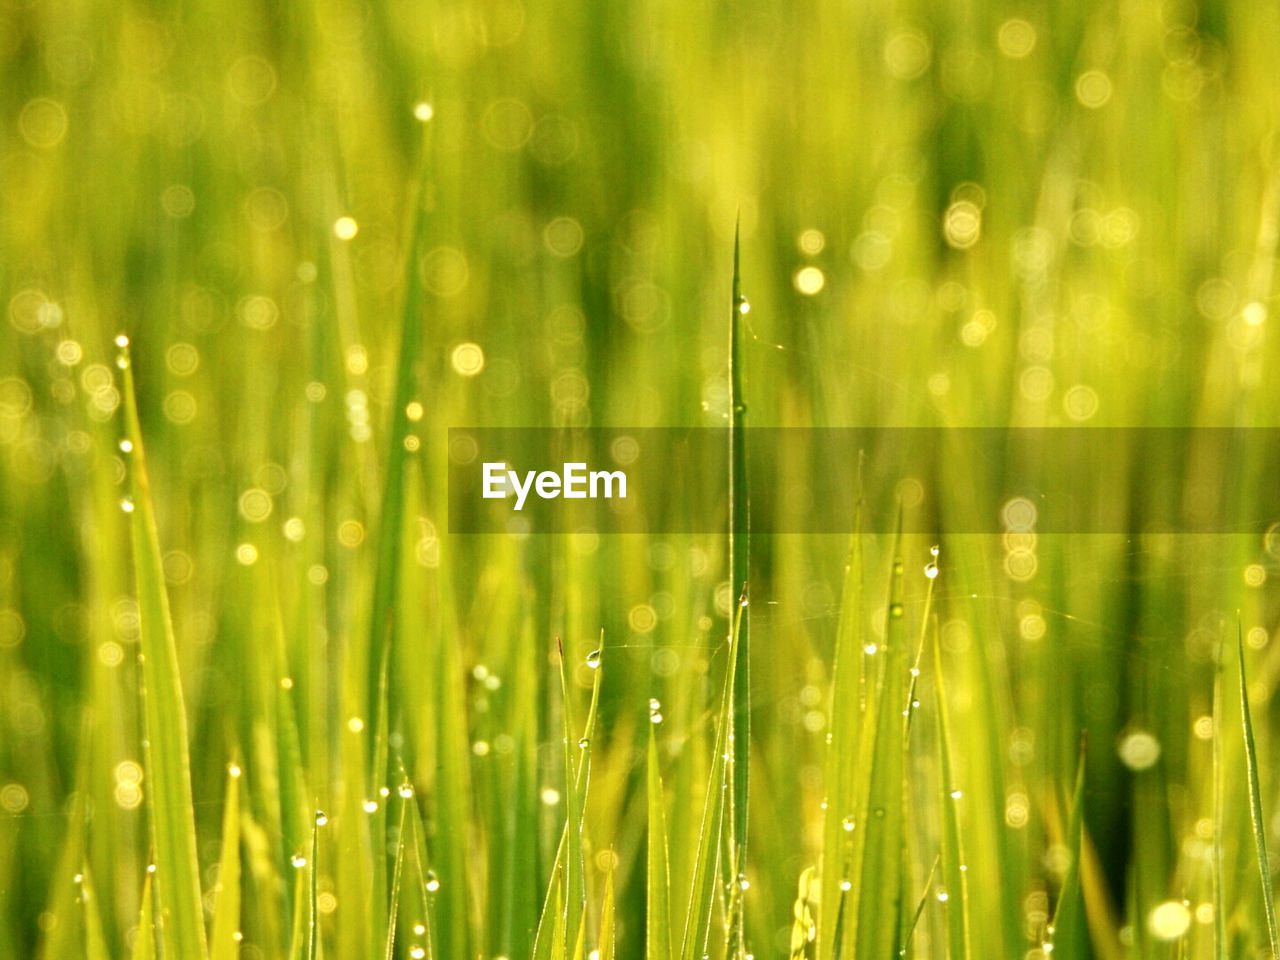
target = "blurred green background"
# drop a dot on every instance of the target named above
(1026, 214)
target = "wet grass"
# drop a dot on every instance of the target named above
(257, 701)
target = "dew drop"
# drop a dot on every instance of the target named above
(370, 806)
(298, 861)
(593, 659)
(406, 791)
(895, 611)
(322, 818)
(744, 305)
(846, 885)
(583, 743)
(122, 340)
(847, 824)
(127, 504)
(433, 882)
(931, 570)
(126, 445)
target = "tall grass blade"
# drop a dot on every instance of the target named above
(878, 882)
(608, 908)
(1256, 817)
(1068, 934)
(954, 870)
(169, 801)
(697, 928)
(144, 945)
(739, 573)
(578, 787)
(224, 942)
(658, 883)
(397, 875)
(95, 936)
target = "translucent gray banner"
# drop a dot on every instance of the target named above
(961, 480)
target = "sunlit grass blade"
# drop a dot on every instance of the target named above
(1068, 934)
(909, 930)
(702, 892)
(739, 573)
(878, 879)
(575, 758)
(608, 906)
(426, 880)
(95, 937)
(657, 883)
(305, 942)
(577, 784)
(1256, 817)
(842, 751)
(169, 800)
(144, 945)
(397, 876)
(1219, 814)
(954, 870)
(224, 940)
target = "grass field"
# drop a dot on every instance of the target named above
(257, 701)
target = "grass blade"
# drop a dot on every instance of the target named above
(1256, 818)
(608, 937)
(393, 907)
(225, 944)
(702, 891)
(1067, 933)
(95, 937)
(658, 884)
(739, 573)
(144, 946)
(169, 801)
(954, 873)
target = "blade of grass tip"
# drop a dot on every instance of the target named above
(954, 874)
(393, 908)
(842, 751)
(658, 883)
(95, 937)
(559, 951)
(542, 938)
(144, 944)
(879, 876)
(931, 574)
(1255, 804)
(697, 928)
(923, 902)
(739, 572)
(1067, 933)
(177, 880)
(224, 942)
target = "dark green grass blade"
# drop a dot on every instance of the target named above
(702, 891)
(1219, 817)
(177, 879)
(575, 758)
(397, 876)
(658, 884)
(1256, 817)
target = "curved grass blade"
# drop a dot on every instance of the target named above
(697, 928)
(1256, 818)
(173, 829)
(224, 942)
(658, 883)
